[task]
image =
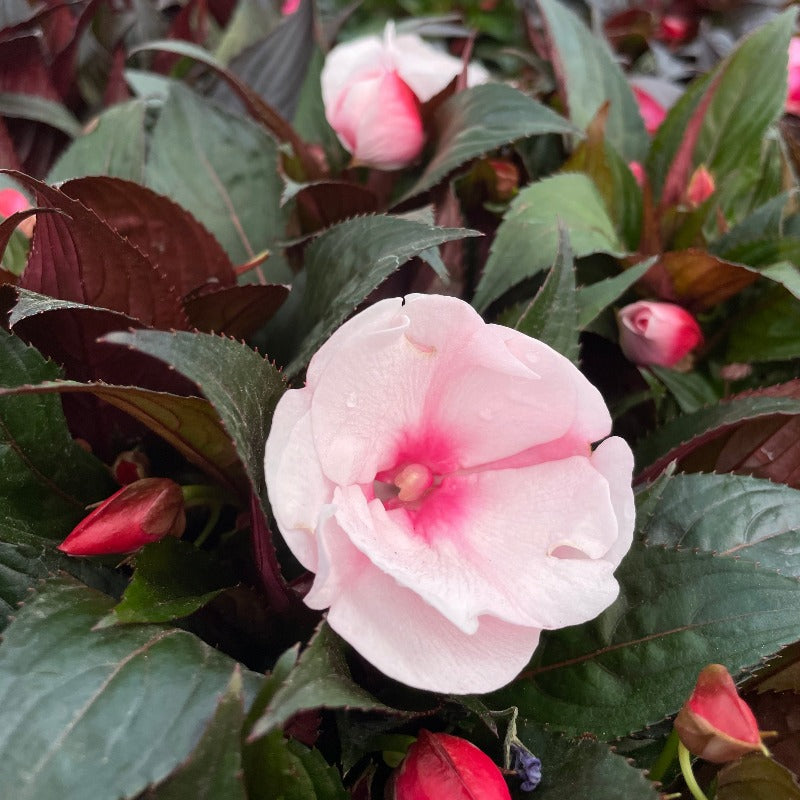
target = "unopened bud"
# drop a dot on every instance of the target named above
(701, 187)
(130, 466)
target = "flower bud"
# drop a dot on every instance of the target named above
(653, 113)
(675, 28)
(447, 767)
(658, 334)
(637, 170)
(12, 201)
(505, 181)
(130, 466)
(715, 723)
(701, 187)
(793, 87)
(139, 513)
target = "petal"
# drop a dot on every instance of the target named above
(296, 487)
(399, 633)
(347, 60)
(613, 459)
(526, 545)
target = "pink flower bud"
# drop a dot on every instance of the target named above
(638, 173)
(793, 89)
(674, 28)
(715, 723)
(701, 187)
(657, 333)
(447, 767)
(12, 201)
(139, 513)
(289, 7)
(652, 111)
(130, 466)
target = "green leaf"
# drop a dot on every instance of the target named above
(213, 770)
(242, 386)
(479, 120)
(321, 679)
(756, 777)
(100, 714)
(767, 331)
(637, 662)
(172, 580)
(527, 239)
(729, 515)
(189, 424)
(584, 768)
(114, 145)
(596, 297)
(46, 479)
(677, 437)
(39, 109)
(343, 265)
(691, 390)
(552, 315)
(591, 76)
(764, 223)
(221, 168)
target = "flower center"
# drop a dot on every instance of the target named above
(413, 481)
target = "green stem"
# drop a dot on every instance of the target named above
(202, 494)
(213, 518)
(665, 759)
(685, 760)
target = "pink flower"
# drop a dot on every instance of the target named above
(653, 113)
(289, 7)
(654, 333)
(372, 89)
(447, 768)
(437, 475)
(715, 723)
(139, 513)
(701, 187)
(12, 201)
(793, 90)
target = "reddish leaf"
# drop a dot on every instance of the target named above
(323, 204)
(696, 279)
(8, 154)
(84, 260)
(189, 25)
(116, 90)
(174, 242)
(237, 311)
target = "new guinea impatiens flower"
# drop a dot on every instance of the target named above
(372, 88)
(793, 80)
(715, 723)
(439, 766)
(437, 475)
(660, 334)
(141, 512)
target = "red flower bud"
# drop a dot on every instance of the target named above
(675, 28)
(443, 767)
(701, 187)
(139, 513)
(657, 333)
(653, 113)
(715, 723)
(506, 179)
(793, 82)
(130, 466)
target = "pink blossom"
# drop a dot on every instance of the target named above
(701, 187)
(372, 88)
(437, 475)
(653, 113)
(793, 90)
(657, 333)
(12, 201)
(289, 7)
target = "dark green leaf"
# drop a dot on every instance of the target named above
(46, 479)
(581, 769)
(321, 679)
(691, 390)
(637, 662)
(221, 168)
(527, 239)
(213, 770)
(591, 76)
(345, 263)
(767, 331)
(734, 515)
(189, 424)
(676, 438)
(113, 145)
(100, 714)
(242, 387)
(479, 120)
(552, 315)
(756, 777)
(764, 223)
(172, 580)
(39, 109)
(594, 298)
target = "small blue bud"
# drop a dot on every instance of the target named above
(527, 766)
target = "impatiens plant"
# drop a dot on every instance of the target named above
(399, 400)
